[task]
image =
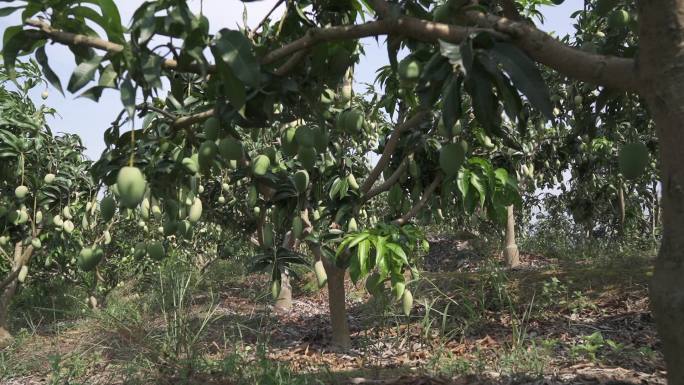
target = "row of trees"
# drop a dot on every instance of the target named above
(466, 122)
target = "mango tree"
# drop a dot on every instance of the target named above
(46, 199)
(276, 62)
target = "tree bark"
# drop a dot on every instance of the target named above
(341, 337)
(655, 214)
(662, 74)
(21, 257)
(621, 203)
(511, 253)
(284, 301)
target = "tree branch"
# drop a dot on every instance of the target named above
(387, 184)
(291, 63)
(23, 258)
(390, 147)
(427, 193)
(187, 121)
(72, 39)
(609, 71)
(409, 26)
(150, 107)
(263, 21)
(10, 278)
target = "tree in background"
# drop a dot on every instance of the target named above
(47, 197)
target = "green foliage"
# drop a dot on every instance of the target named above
(251, 143)
(386, 249)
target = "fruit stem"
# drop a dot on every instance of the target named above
(131, 160)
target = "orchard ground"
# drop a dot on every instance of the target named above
(576, 316)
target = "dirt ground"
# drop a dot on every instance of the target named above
(547, 322)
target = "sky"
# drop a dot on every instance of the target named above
(89, 119)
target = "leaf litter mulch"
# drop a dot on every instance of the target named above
(594, 329)
(570, 326)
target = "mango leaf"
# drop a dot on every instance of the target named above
(476, 181)
(525, 76)
(92, 93)
(151, 70)
(508, 94)
(357, 238)
(451, 105)
(50, 75)
(128, 97)
(479, 86)
(233, 88)
(108, 77)
(463, 182)
(364, 248)
(235, 50)
(354, 269)
(112, 18)
(398, 251)
(83, 73)
(82, 12)
(15, 40)
(383, 263)
(379, 244)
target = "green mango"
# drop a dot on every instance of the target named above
(156, 251)
(618, 18)
(409, 69)
(89, 257)
(407, 302)
(350, 121)
(307, 156)
(304, 136)
(301, 181)
(212, 127)
(297, 227)
(231, 148)
(451, 158)
(21, 191)
(268, 235)
(321, 275)
(131, 185)
(289, 144)
(49, 178)
(169, 227)
(207, 153)
(261, 165)
(633, 158)
(195, 212)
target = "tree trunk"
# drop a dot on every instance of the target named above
(8, 293)
(338, 311)
(621, 205)
(341, 337)
(655, 217)
(662, 76)
(284, 301)
(511, 253)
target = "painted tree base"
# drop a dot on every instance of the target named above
(6, 338)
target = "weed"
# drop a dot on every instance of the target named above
(592, 344)
(181, 336)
